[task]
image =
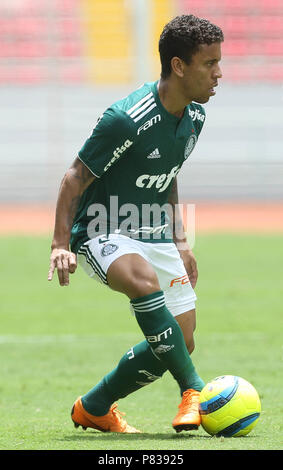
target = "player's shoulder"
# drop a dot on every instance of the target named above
(137, 104)
(128, 111)
(135, 98)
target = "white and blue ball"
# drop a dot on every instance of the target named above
(229, 406)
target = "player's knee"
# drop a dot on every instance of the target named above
(135, 280)
(141, 284)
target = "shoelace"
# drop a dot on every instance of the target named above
(117, 415)
(188, 400)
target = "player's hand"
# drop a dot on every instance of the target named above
(65, 262)
(190, 266)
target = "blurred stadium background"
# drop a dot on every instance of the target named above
(62, 62)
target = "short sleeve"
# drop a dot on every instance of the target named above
(110, 140)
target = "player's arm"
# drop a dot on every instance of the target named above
(179, 235)
(75, 181)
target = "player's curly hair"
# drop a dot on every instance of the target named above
(182, 37)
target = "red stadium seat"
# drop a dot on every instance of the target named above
(238, 48)
(42, 29)
(29, 26)
(70, 49)
(69, 26)
(250, 26)
(232, 7)
(23, 49)
(66, 7)
(253, 47)
(271, 7)
(273, 48)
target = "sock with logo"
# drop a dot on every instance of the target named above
(145, 362)
(137, 368)
(166, 339)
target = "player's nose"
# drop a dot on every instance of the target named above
(217, 72)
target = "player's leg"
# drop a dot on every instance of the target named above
(189, 406)
(137, 368)
(134, 276)
(163, 333)
(180, 300)
(187, 322)
(140, 367)
(140, 279)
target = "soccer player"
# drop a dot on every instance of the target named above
(129, 165)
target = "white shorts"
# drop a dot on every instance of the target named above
(97, 254)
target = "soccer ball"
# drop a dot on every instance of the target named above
(229, 406)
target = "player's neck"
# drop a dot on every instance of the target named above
(171, 97)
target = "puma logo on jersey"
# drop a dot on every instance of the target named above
(196, 115)
(161, 182)
(149, 123)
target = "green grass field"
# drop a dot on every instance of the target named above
(56, 343)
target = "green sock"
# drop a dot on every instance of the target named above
(137, 368)
(166, 339)
(164, 349)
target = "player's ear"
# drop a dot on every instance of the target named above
(177, 66)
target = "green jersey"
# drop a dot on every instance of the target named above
(136, 150)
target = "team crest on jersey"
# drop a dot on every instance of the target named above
(109, 249)
(191, 142)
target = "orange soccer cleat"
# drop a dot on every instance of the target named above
(111, 422)
(188, 417)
